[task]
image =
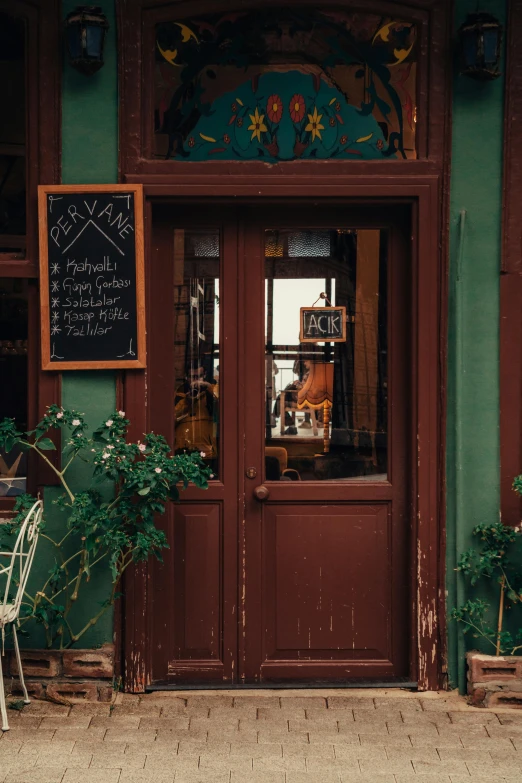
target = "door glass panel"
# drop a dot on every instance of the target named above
(326, 400)
(196, 342)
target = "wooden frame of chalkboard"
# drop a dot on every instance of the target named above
(328, 335)
(92, 299)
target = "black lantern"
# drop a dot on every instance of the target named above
(480, 41)
(85, 30)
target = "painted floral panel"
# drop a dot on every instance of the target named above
(292, 86)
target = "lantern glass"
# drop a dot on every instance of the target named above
(470, 43)
(490, 46)
(74, 41)
(94, 35)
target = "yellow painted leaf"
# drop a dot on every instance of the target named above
(239, 101)
(207, 138)
(364, 138)
(332, 101)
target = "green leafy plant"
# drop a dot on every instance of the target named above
(491, 560)
(100, 533)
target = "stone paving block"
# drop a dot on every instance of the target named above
(429, 779)
(87, 735)
(389, 767)
(237, 763)
(351, 703)
(279, 735)
(164, 724)
(303, 702)
(319, 751)
(334, 738)
(287, 763)
(22, 735)
(194, 748)
(403, 730)
(214, 700)
(494, 768)
(92, 746)
(485, 743)
(45, 708)
(172, 763)
(508, 719)
(413, 754)
(117, 721)
(38, 775)
(385, 739)
(65, 760)
(108, 760)
(277, 717)
(65, 722)
(403, 705)
(146, 776)
(66, 746)
(436, 742)
(255, 750)
(256, 701)
(17, 720)
(478, 779)
(136, 709)
(9, 748)
(205, 777)
(426, 718)
(256, 777)
(91, 709)
(327, 776)
(128, 735)
(237, 711)
(348, 777)
(360, 752)
(466, 754)
(90, 776)
(447, 767)
(481, 716)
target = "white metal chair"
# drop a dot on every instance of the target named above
(15, 574)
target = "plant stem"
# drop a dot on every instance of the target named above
(500, 614)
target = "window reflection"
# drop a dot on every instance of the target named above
(326, 401)
(196, 343)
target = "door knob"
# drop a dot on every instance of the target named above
(261, 493)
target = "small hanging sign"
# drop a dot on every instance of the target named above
(323, 324)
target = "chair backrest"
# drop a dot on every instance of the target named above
(16, 565)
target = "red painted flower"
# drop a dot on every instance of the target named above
(332, 121)
(191, 141)
(239, 122)
(337, 106)
(234, 108)
(344, 139)
(380, 144)
(274, 108)
(297, 107)
(226, 138)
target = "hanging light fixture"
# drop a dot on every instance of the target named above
(85, 30)
(480, 47)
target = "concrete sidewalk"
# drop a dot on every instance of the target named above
(312, 736)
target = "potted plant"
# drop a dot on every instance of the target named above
(494, 676)
(108, 524)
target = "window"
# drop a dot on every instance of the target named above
(299, 84)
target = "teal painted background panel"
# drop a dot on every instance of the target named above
(473, 472)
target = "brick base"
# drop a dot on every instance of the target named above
(494, 681)
(63, 675)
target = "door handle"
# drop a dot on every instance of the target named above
(261, 493)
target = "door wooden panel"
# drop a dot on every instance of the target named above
(325, 574)
(197, 612)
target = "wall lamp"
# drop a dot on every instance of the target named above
(85, 30)
(480, 40)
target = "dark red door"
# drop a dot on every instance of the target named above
(294, 564)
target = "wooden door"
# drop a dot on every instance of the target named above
(294, 564)
(326, 535)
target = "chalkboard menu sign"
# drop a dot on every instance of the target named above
(323, 325)
(92, 276)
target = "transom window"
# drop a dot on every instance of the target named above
(296, 85)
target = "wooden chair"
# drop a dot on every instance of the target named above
(15, 574)
(284, 408)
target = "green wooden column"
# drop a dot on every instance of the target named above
(473, 462)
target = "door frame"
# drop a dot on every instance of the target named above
(429, 286)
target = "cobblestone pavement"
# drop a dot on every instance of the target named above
(264, 737)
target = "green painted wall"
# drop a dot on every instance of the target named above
(89, 155)
(473, 453)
